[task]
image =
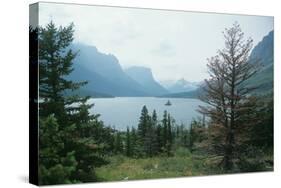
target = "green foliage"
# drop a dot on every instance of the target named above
(118, 143)
(128, 143)
(55, 63)
(135, 151)
(150, 142)
(262, 132)
(143, 124)
(123, 168)
(72, 141)
(75, 146)
(54, 168)
(154, 137)
(255, 146)
(197, 135)
(254, 159)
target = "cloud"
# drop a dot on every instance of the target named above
(173, 44)
(164, 49)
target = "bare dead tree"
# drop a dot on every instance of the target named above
(225, 91)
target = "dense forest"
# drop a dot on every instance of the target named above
(234, 134)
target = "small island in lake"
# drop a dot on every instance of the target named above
(168, 103)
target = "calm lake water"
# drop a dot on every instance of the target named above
(121, 112)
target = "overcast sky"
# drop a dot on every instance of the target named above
(173, 44)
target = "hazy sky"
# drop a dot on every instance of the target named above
(173, 44)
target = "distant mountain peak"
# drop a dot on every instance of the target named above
(182, 81)
(141, 71)
(181, 85)
(144, 76)
(103, 73)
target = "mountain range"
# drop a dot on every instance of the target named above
(106, 77)
(180, 85)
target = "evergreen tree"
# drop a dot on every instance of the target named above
(262, 132)
(150, 141)
(74, 123)
(55, 63)
(147, 140)
(128, 143)
(156, 135)
(89, 149)
(169, 135)
(54, 168)
(183, 136)
(254, 140)
(134, 143)
(165, 130)
(193, 134)
(118, 143)
(226, 92)
(144, 122)
(159, 138)
(191, 137)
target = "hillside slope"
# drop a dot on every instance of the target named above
(144, 77)
(103, 72)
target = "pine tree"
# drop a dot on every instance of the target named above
(54, 168)
(128, 143)
(165, 130)
(183, 136)
(169, 135)
(159, 138)
(134, 143)
(154, 118)
(144, 122)
(118, 143)
(89, 148)
(156, 145)
(75, 124)
(55, 63)
(169, 129)
(147, 140)
(226, 92)
(150, 142)
(192, 135)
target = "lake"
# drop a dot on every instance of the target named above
(121, 112)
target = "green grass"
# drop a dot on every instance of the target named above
(180, 165)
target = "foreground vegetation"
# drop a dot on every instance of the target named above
(182, 164)
(75, 146)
